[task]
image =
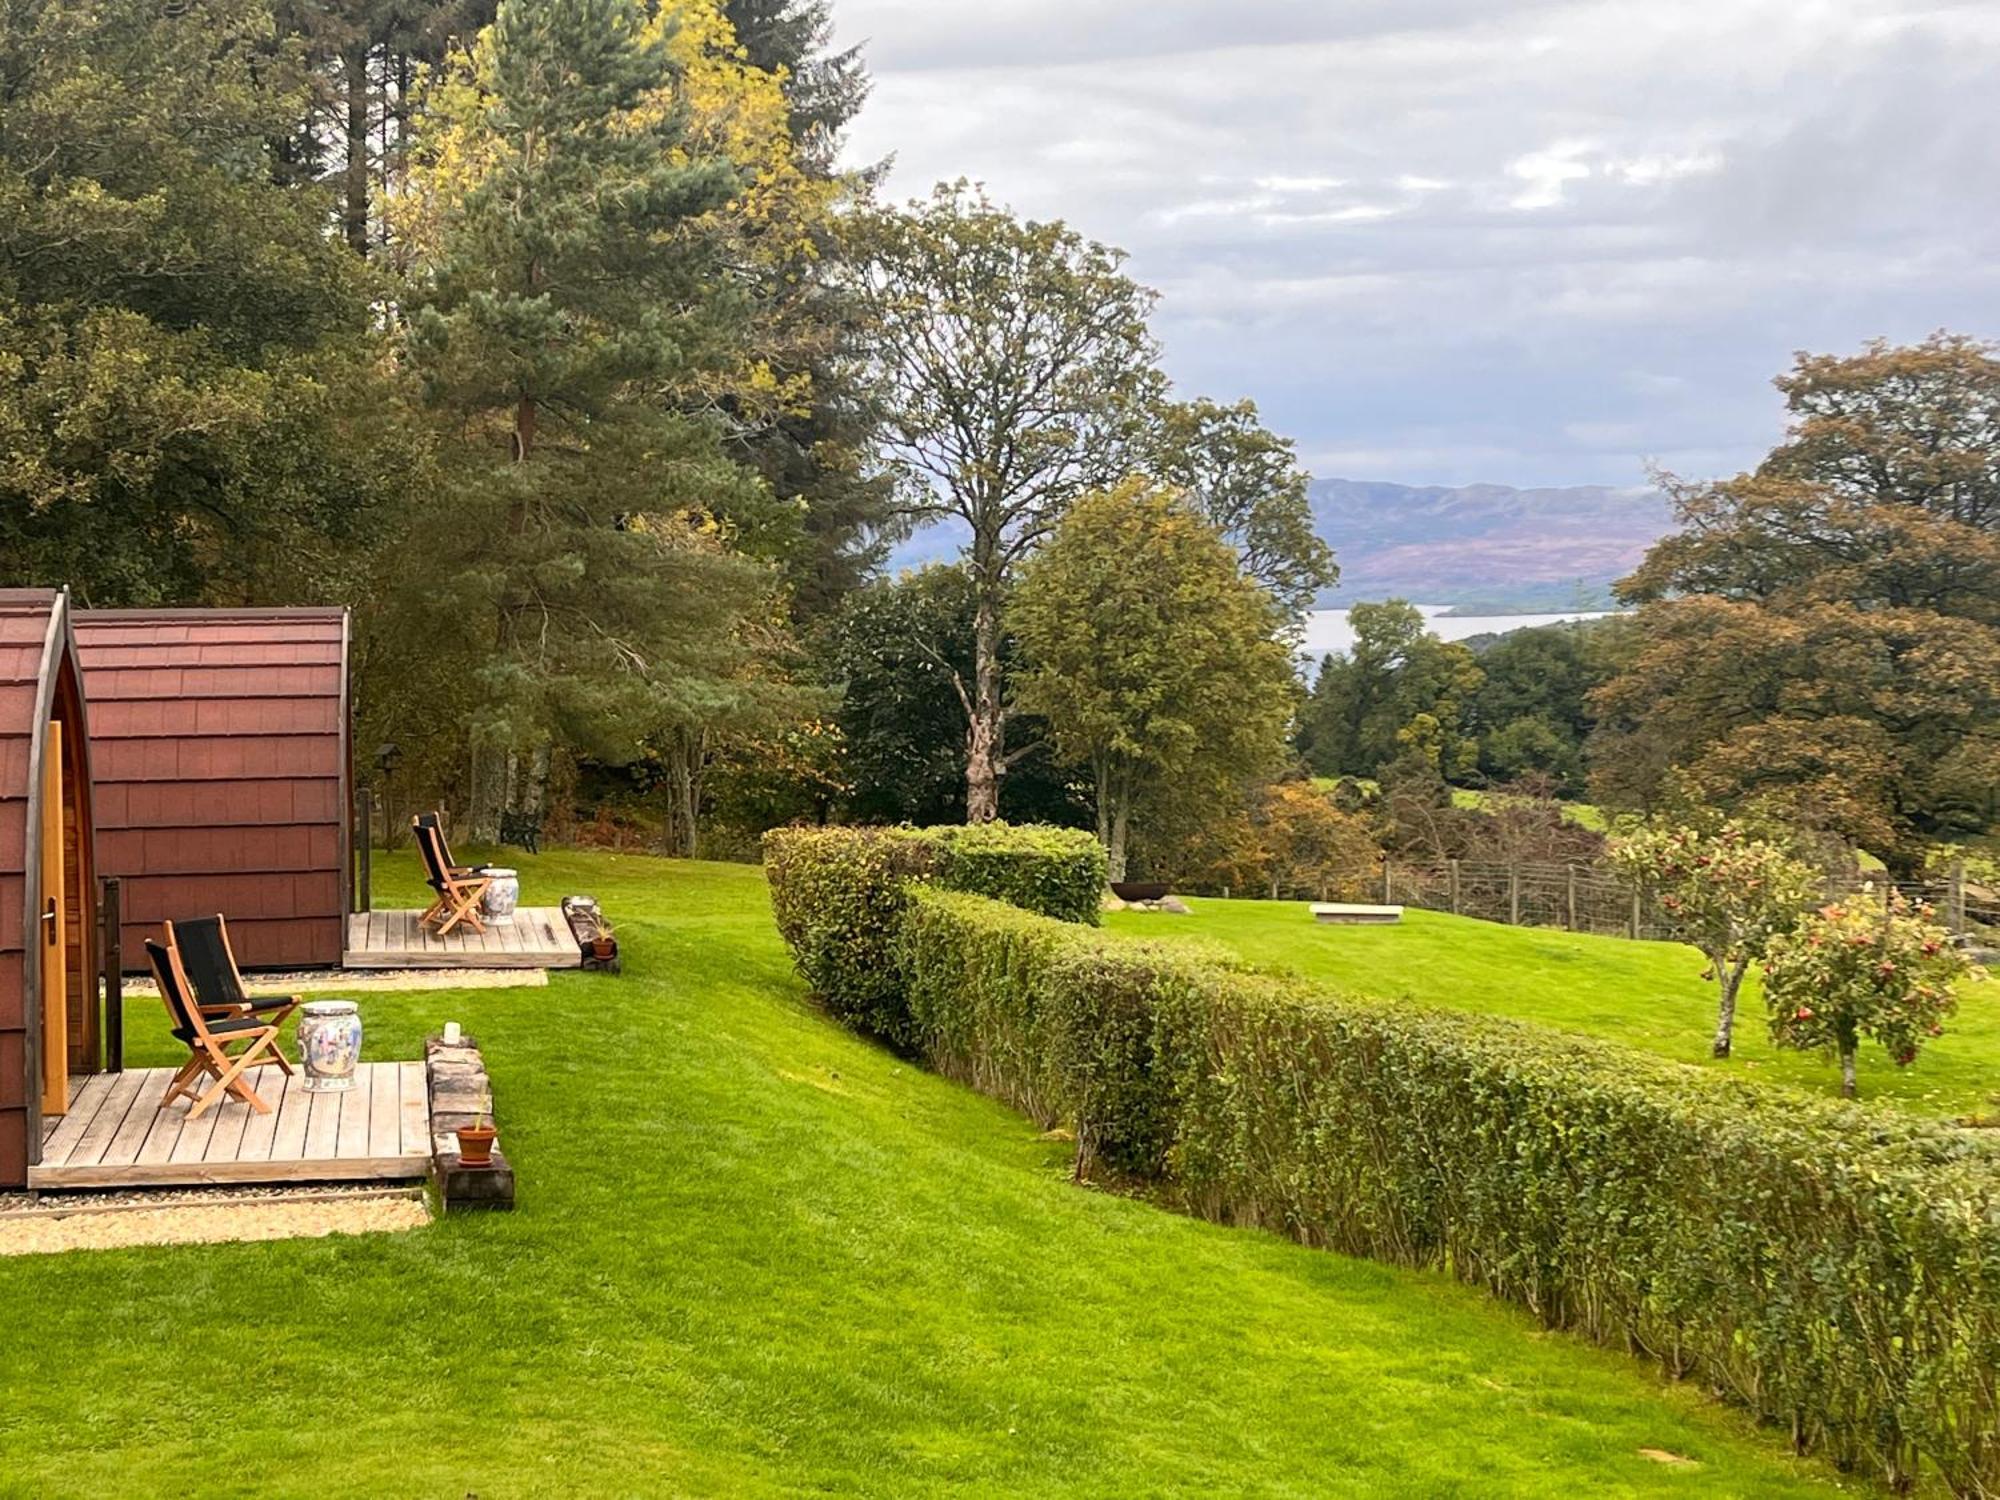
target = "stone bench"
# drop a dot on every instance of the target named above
(1354, 914)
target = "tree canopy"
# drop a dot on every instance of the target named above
(1156, 663)
(1819, 639)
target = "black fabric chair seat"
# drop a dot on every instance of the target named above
(228, 1027)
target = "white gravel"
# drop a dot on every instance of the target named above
(190, 1216)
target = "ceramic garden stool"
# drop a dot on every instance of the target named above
(329, 1044)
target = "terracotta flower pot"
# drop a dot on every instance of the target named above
(475, 1145)
(602, 947)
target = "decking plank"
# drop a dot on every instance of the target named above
(384, 1100)
(138, 1123)
(352, 1137)
(158, 1147)
(414, 1108)
(259, 1131)
(232, 1119)
(110, 1120)
(84, 1103)
(192, 1143)
(322, 1128)
(288, 1136)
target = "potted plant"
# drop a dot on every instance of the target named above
(475, 1143)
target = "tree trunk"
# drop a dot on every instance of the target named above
(524, 428)
(985, 743)
(1115, 850)
(1729, 981)
(1847, 1085)
(354, 179)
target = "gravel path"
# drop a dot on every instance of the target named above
(201, 1216)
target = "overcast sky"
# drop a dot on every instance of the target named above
(1441, 241)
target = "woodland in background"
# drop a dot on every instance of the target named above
(601, 401)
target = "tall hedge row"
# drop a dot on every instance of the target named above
(1834, 1269)
(838, 893)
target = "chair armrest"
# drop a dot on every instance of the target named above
(227, 1008)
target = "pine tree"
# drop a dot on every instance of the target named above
(825, 88)
(568, 311)
(819, 453)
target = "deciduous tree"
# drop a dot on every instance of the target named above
(1016, 370)
(1731, 895)
(1156, 663)
(1821, 637)
(1247, 482)
(1399, 692)
(1861, 969)
(191, 404)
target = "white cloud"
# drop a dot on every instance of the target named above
(1546, 171)
(1536, 242)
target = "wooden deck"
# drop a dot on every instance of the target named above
(117, 1135)
(536, 937)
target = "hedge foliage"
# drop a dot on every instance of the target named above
(1834, 1269)
(1059, 872)
(837, 894)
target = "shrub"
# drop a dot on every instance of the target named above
(837, 894)
(1058, 872)
(1831, 1268)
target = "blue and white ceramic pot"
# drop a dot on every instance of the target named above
(503, 895)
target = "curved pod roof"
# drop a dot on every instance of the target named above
(220, 747)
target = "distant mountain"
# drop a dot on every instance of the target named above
(1480, 547)
(1485, 546)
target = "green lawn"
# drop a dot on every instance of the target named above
(757, 1256)
(1648, 995)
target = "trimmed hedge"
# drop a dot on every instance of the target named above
(837, 894)
(1835, 1269)
(1059, 872)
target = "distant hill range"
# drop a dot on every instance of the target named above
(1485, 546)
(1480, 547)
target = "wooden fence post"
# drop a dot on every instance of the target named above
(1569, 896)
(112, 916)
(1514, 894)
(364, 849)
(1454, 888)
(1388, 884)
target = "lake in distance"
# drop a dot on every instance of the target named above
(1328, 630)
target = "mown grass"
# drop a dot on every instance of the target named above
(755, 1255)
(1648, 995)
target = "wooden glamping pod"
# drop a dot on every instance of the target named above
(48, 928)
(219, 738)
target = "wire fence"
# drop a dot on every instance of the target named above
(1594, 898)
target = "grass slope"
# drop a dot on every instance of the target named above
(757, 1256)
(1648, 995)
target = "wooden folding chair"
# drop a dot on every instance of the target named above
(209, 962)
(435, 822)
(459, 891)
(209, 1040)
